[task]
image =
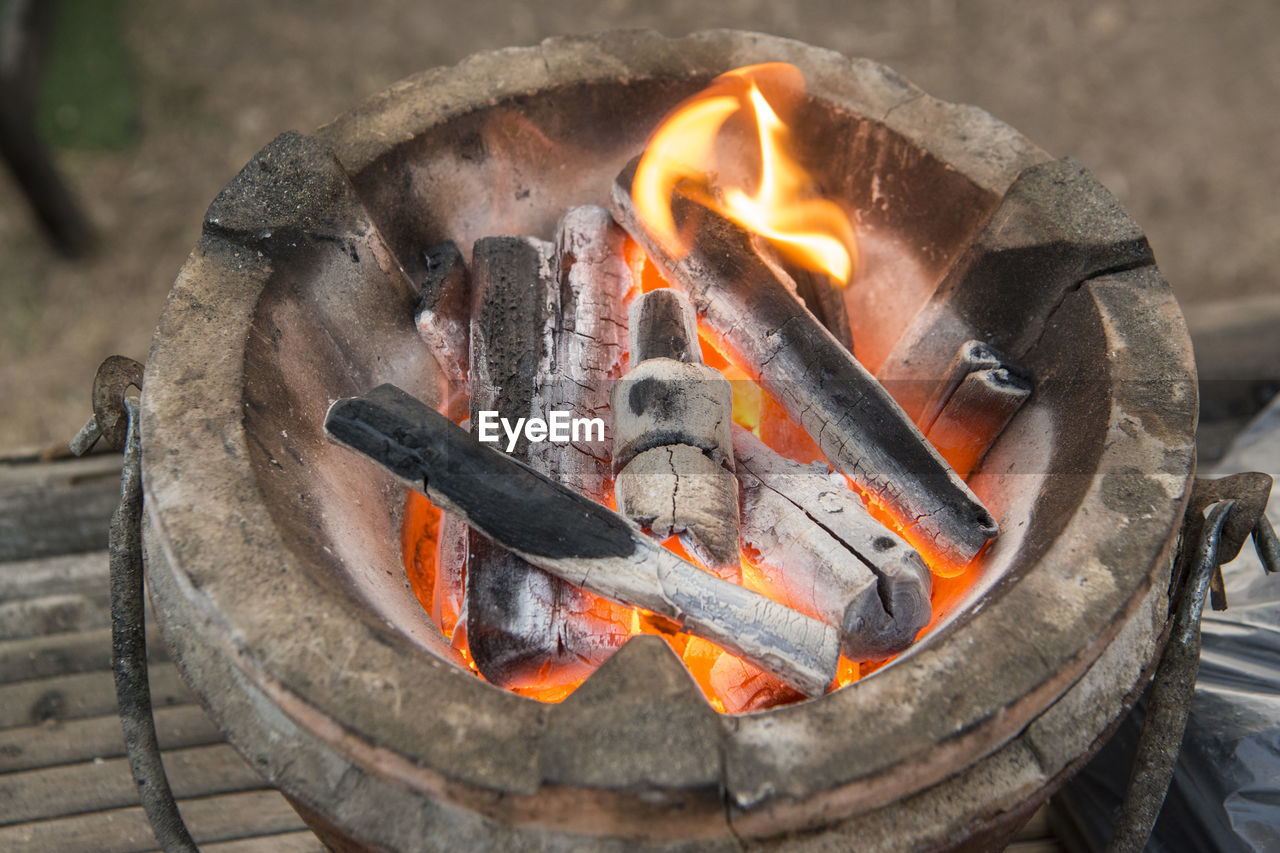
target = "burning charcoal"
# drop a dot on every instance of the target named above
(662, 401)
(528, 359)
(588, 338)
(580, 541)
(976, 413)
(970, 357)
(443, 315)
(745, 298)
(744, 687)
(676, 490)
(822, 297)
(820, 551)
(1055, 227)
(662, 325)
(672, 446)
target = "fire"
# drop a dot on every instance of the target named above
(696, 151)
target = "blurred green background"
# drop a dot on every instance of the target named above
(151, 106)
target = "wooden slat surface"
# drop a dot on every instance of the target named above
(86, 573)
(65, 654)
(56, 508)
(255, 815)
(107, 784)
(88, 694)
(65, 785)
(56, 743)
(290, 842)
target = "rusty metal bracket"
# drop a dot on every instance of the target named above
(116, 419)
(1221, 514)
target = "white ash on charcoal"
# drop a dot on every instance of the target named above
(746, 298)
(589, 340)
(819, 550)
(449, 593)
(546, 336)
(443, 315)
(577, 539)
(672, 443)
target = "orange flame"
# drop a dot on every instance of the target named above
(686, 154)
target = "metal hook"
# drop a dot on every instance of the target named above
(116, 418)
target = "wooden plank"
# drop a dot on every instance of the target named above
(303, 841)
(54, 614)
(51, 792)
(84, 573)
(65, 654)
(53, 508)
(247, 815)
(90, 694)
(1235, 339)
(72, 741)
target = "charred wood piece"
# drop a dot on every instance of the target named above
(662, 325)
(513, 625)
(661, 402)
(743, 687)
(677, 490)
(443, 315)
(582, 542)
(745, 297)
(530, 302)
(823, 298)
(972, 356)
(673, 447)
(979, 394)
(976, 413)
(587, 343)
(820, 551)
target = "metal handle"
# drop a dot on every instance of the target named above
(1218, 525)
(128, 628)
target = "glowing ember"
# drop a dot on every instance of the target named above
(697, 151)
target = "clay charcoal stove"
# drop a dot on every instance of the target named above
(868, 552)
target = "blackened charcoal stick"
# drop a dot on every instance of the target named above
(577, 539)
(443, 316)
(745, 299)
(532, 304)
